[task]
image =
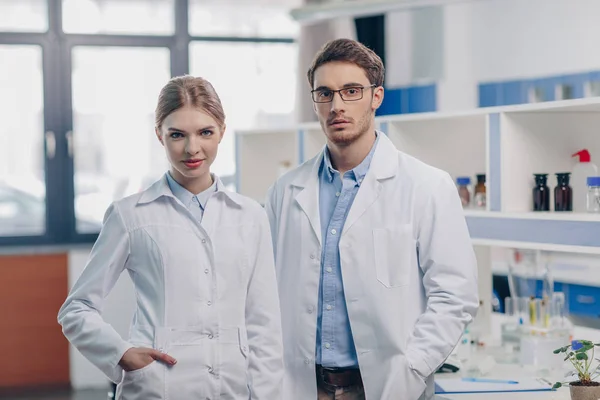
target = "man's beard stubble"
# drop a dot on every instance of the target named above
(346, 138)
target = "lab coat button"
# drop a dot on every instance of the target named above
(312, 256)
(209, 303)
(310, 309)
(203, 240)
(306, 361)
(210, 336)
(206, 271)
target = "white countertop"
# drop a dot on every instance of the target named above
(504, 369)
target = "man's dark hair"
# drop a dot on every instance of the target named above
(348, 50)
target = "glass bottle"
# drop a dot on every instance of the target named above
(563, 194)
(463, 183)
(593, 194)
(480, 191)
(541, 193)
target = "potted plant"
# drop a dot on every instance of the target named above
(581, 355)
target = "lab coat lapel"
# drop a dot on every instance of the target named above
(308, 197)
(367, 194)
(383, 166)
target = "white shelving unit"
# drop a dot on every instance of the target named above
(260, 154)
(508, 144)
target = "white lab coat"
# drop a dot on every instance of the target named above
(408, 268)
(206, 294)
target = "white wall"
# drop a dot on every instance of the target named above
(492, 40)
(118, 312)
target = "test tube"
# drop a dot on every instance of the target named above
(533, 311)
(509, 306)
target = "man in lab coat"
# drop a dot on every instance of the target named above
(377, 276)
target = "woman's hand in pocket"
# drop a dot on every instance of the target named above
(139, 357)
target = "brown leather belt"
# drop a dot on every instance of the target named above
(340, 377)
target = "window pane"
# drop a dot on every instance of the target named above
(254, 18)
(258, 90)
(23, 16)
(22, 187)
(116, 151)
(150, 17)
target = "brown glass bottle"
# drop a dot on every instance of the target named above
(541, 193)
(480, 192)
(563, 194)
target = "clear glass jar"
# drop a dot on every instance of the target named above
(463, 183)
(593, 194)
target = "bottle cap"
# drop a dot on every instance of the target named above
(584, 156)
(593, 181)
(463, 180)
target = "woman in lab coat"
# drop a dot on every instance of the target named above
(207, 322)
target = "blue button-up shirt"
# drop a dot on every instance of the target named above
(196, 203)
(335, 345)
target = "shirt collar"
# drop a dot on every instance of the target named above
(359, 171)
(187, 197)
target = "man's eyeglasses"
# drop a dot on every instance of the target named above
(350, 93)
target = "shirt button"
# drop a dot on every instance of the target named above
(329, 269)
(206, 271)
(337, 194)
(327, 345)
(333, 231)
(329, 306)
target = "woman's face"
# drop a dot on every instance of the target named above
(191, 139)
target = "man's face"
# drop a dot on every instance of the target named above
(344, 121)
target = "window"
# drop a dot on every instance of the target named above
(22, 185)
(250, 18)
(152, 17)
(23, 15)
(115, 90)
(258, 90)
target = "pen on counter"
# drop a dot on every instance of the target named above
(485, 380)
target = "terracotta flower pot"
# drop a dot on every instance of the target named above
(581, 392)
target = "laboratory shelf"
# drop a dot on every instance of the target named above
(508, 144)
(553, 231)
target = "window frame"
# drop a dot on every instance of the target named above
(56, 47)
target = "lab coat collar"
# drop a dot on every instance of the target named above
(380, 167)
(161, 188)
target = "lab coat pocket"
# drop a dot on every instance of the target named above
(394, 254)
(137, 373)
(145, 383)
(234, 364)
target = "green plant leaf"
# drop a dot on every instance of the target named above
(561, 349)
(557, 385)
(586, 342)
(581, 356)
